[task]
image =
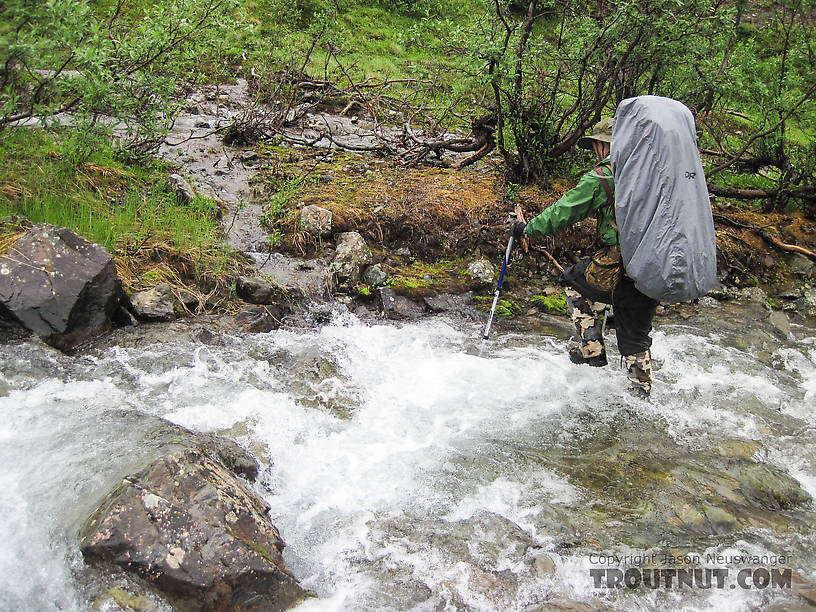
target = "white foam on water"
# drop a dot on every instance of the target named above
(41, 457)
(435, 439)
(516, 501)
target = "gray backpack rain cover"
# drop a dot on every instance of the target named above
(661, 200)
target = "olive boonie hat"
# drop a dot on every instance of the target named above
(600, 131)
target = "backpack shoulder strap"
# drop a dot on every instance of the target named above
(605, 183)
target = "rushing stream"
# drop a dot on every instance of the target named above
(415, 467)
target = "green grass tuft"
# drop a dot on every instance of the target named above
(123, 205)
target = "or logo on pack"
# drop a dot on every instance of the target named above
(691, 175)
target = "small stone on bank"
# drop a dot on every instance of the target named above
(375, 276)
(806, 305)
(481, 271)
(396, 306)
(801, 265)
(316, 220)
(257, 320)
(183, 189)
(255, 290)
(709, 302)
(753, 294)
(780, 322)
(154, 304)
(351, 255)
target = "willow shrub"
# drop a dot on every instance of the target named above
(120, 61)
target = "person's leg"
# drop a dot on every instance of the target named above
(639, 373)
(587, 316)
(634, 313)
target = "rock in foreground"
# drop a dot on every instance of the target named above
(189, 526)
(59, 286)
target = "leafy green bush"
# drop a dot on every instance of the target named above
(417, 8)
(91, 58)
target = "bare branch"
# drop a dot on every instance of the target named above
(734, 157)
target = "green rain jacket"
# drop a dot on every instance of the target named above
(586, 198)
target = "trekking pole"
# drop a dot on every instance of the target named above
(499, 284)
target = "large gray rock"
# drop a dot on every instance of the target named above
(59, 286)
(351, 255)
(296, 278)
(190, 527)
(316, 220)
(154, 304)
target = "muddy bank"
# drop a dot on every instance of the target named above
(424, 226)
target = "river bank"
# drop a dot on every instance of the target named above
(424, 226)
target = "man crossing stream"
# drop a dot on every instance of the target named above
(667, 251)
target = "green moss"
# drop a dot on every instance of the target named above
(507, 309)
(423, 278)
(123, 599)
(555, 304)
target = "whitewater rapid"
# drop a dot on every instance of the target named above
(402, 463)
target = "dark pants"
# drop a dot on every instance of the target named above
(634, 311)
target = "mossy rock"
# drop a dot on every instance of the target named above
(553, 304)
(507, 309)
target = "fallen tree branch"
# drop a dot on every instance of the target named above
(805, 192)
(541, 249)
(786, 247)
(485, 150)
(767, 236)
(804, 98)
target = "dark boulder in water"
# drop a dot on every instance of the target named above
(189, 526)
